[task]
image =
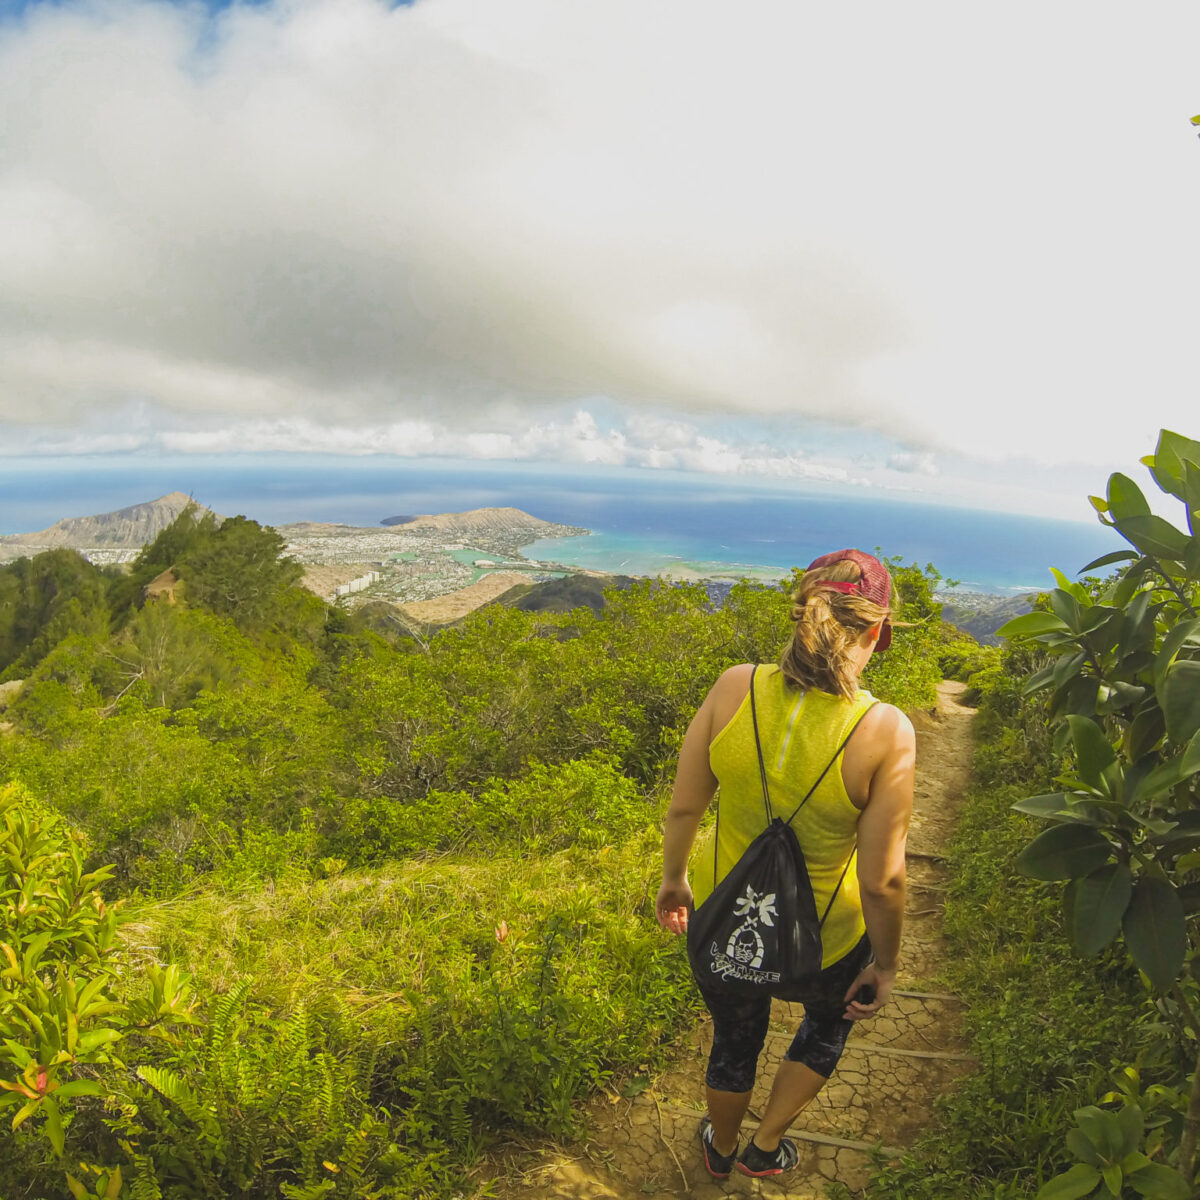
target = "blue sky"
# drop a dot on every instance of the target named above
(785, 240)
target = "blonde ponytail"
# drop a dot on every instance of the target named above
(828, 625)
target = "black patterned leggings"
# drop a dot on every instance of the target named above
(740, 1027)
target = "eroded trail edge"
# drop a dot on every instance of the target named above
(883, 1091)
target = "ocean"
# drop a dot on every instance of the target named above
(643, 522)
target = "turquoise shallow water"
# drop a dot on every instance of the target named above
(649, 554)
(643, 522)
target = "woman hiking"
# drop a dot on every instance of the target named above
(805, 709)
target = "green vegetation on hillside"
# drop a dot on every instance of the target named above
(381, 899)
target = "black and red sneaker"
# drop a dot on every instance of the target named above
(758, 1163)
(717, 1165)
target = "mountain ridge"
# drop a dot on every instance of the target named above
(137, 525)
(124, 528)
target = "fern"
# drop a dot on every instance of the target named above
(313, 1191)
(175, 1091)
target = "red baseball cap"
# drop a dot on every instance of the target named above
(875, 584)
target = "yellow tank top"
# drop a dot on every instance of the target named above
(800, 732)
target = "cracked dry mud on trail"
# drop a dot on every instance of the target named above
(883, 1090)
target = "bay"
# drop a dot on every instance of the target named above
(643, 522)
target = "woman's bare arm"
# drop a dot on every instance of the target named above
(882, 837)
(695, 786)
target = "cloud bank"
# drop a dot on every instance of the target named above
(324, 220)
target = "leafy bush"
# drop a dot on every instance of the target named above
(589, 803)
(61, 1019)
(1123, 685)
(1044, 1032)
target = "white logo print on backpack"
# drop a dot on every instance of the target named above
(745, 944)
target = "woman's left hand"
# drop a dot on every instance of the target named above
(879, 983)
(672, 905)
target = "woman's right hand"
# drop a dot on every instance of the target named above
(672, 905)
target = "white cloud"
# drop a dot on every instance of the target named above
(911, 463)
(313, 218)
(575, 438)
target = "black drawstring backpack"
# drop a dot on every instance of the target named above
(758, 933)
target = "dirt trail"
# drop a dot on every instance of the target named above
(883, 1090)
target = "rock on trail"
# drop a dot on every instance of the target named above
(882, 1093)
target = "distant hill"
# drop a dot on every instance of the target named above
(981, 615)
(562, 595)
(483, 520)
(498, 530)
(127, 528)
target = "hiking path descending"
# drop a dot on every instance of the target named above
(883, 1090)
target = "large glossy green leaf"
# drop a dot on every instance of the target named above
(1153, 535)
(1104, 1130)
(1066, 608)
(1080, 1180)
(1144, 733)
(1117, 697)
(1044, 806)
(1169, 774)
(1192, 507)
(1132, 665)
(1180, 700)
(1183, 834)
(1079, 697)
(1166, 464)
(1161, 780)
(1186, 633)
(1096, 615)
(1191, 489)
(1064, 852)
(1155, 930)
(1106, 560)
(1127, 585)
(1083, 1148)
(1092, 752)
(1031, 625)
(1066, 667)
(1158, 1182)
(1191, 755)
(1137, 629)
(1132, 1122)
(1125, 498)
(1101, 899)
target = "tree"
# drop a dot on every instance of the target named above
(42, 600)
(238, 571)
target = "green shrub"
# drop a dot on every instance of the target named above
(1046, 1033)
(264, 1105)
(547, 808)
(62, 1020)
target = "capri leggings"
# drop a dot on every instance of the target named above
(740, 1027)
